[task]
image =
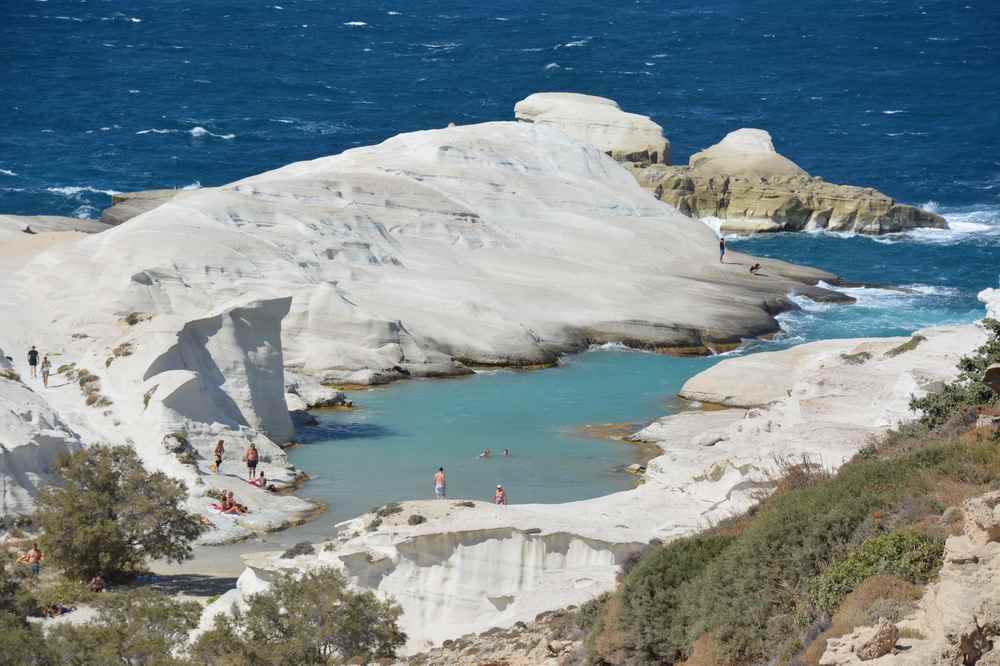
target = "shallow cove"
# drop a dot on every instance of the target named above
(389, 448)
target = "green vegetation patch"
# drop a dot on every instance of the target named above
(905, 554)
(909, 345)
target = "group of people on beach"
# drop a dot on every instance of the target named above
(440, 486)
(45, 366)
(251, 457)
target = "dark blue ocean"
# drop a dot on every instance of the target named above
(111, 95)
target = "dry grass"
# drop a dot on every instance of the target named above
(705, 652)
(878, 596)
(609, 643)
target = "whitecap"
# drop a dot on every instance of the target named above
(892, 112)
(552, 65)
(156, 130)
(134, 91)
(135, 19)
(199, 132)
(85, 211)
(7, 172)
(73, 191)
(356, 24)
(394, 13)
(577, 43)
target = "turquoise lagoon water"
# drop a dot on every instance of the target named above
(390, 447)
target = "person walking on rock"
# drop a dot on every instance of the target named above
(251, 457)
(220, 450)
(439, 484)
(722, 249)
(46, 370)
(33, 361)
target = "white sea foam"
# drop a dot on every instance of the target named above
(577, 43)
(156, 130)
(356, 24)
(196, 185)
(74, 191)
(85, 211)
(199, 132)
(392, 13)
(7, 172)
(892, 112)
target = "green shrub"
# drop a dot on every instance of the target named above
(968, 389)
(110, 514)
(314, 619)
(588, 613)
(906, 554)
(301, 548)
(655, 615)
(135, 627)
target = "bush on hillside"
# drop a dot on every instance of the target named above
(654, 616)
(313, 619)
(968, 389)
(135, 627)
(754, 597)
(906, 554)
(110, 515)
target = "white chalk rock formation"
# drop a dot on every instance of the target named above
(32, 436)
(493, 244)
(599, 122)
(464, 580)
(744, 152)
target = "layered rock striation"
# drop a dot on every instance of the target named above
(751, 188)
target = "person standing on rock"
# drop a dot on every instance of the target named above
(33, 361)
(220, 450)
(251, 457)
(46, 370)
(439, 484)
(722, 249)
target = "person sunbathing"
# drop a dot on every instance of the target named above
(230, 505)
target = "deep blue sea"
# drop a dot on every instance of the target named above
(99, 96)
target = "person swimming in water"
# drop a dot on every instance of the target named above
(485, 454)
